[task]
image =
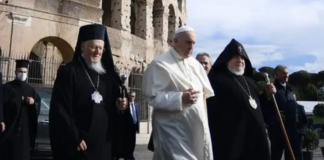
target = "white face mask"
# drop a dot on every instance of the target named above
(22, 76)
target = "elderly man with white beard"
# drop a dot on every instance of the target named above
(174, 85)
(235, 117)
(86, 97)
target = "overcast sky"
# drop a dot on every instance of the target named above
(289, 32)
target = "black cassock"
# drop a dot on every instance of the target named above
(1, 105)
(237, 130)
(74, 116)
(20, 119)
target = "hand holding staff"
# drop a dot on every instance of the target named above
(122, 101)
(270, 92)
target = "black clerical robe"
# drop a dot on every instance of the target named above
(1, 102)
(20, 119)
(74, 116)
(237, 130)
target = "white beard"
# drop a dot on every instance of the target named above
(97, 67)
(236, 72)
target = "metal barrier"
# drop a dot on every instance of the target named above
(42, 74)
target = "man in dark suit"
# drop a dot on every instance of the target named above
(289, 111)
(134, 108)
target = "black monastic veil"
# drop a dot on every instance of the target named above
(74, 116)
(237, 130)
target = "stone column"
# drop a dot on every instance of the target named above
(120, 18)
(165, 25)
(144, 20)
(158, 23)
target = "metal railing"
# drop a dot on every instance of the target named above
(42, 74)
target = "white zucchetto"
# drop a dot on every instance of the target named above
(184, 29)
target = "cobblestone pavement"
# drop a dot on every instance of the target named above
(142, 153)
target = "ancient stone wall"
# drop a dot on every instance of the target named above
(138, 29)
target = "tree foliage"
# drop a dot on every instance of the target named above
(311, 140)
(306, 85)
(318, 110)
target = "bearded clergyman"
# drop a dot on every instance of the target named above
(235, 117)
(174, 85)
(87, 101)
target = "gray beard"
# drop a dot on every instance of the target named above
(238, 73)
(97, 67)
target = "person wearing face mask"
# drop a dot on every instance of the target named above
(235, 117)
(21, 106)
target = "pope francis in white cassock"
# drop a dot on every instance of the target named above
(176, 85)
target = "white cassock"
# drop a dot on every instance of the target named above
(180, 132)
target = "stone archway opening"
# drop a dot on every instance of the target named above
(47, 55)
(171, 24)
(134, 7)
(180, 23)
(180, 5)
(158, 19)
(106, 6)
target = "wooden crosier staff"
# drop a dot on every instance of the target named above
(280, 120)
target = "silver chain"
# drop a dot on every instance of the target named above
(249, 92)
(90, 77)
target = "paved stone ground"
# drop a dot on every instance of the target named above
(142, 153)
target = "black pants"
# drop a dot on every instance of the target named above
(279, 146)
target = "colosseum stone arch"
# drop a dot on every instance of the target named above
(138, 29)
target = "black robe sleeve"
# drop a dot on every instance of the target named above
(12, 108)
(33, 111)
(38, 102)
(302, 117)
(124, 137)
(1, 101)
(64, 135)
(10, 100)
(266, 107)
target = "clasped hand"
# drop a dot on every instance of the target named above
(29, 100)
(190, 96)
(82, 146)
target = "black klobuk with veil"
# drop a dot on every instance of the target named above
(114, 88)
(234, 48)
(233, 121)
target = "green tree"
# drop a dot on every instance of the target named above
(261, 86)
(307, 92)
(318, 111)
(257, 77)
(268, 70)
(300, 78)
